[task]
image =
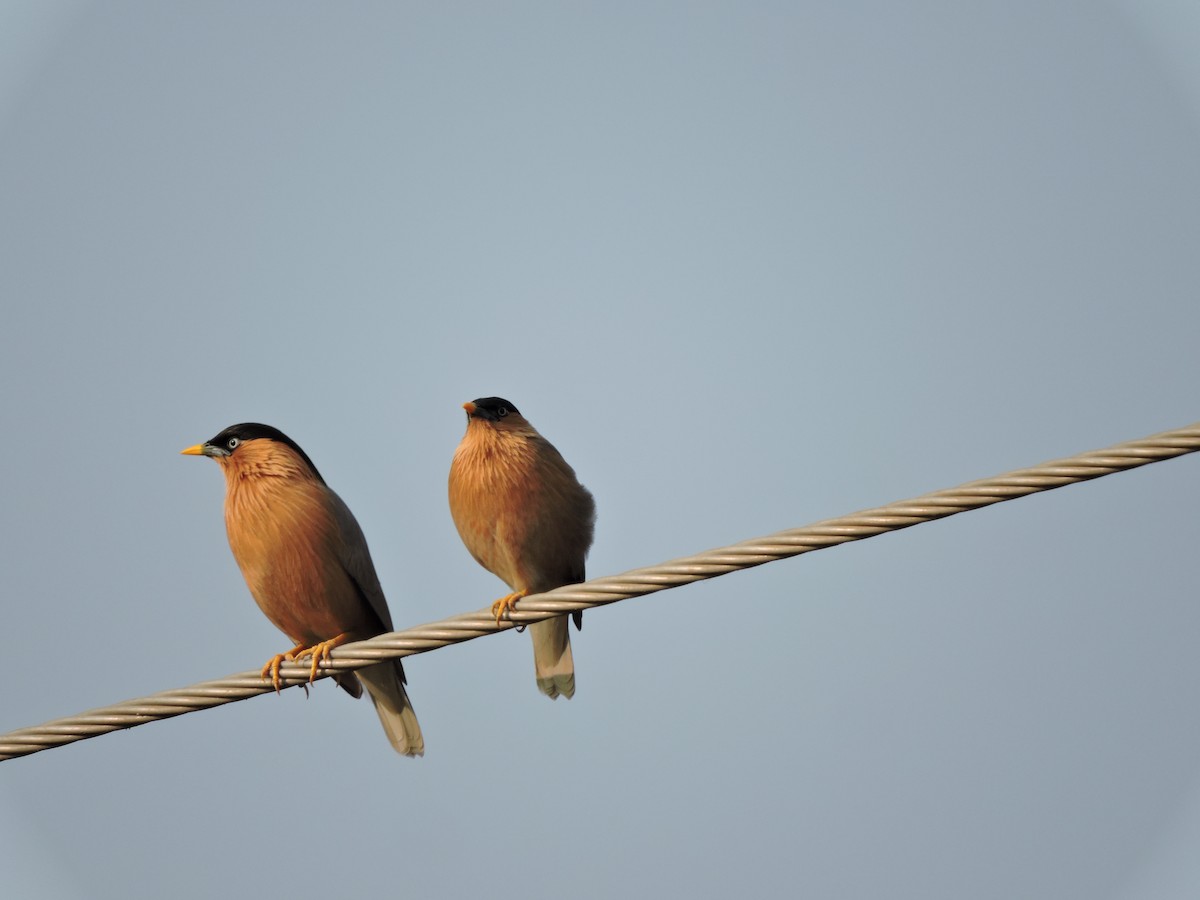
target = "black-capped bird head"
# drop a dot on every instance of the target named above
(253, 446)
(490, 409)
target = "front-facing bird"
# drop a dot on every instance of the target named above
(526, 518)
(306, 562)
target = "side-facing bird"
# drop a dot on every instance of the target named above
(525, 518)
(306, 562)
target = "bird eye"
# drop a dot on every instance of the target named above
(502, 411)
(232, 443)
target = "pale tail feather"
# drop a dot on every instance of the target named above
(552, 660)
(383, 683)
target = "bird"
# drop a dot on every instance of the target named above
(306, 562)
(524, 516)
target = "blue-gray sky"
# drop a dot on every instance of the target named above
(748, 266)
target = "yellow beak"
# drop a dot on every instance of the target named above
(468, 406)
(197, 450)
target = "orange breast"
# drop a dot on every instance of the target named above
(283, 542)
(519, 510)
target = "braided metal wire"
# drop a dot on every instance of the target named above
(610, 589)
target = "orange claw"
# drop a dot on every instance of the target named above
(504, 604)
(272, 666)
(318, 652)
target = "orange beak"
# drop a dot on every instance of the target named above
(468, 406)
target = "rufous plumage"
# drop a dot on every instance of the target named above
(306, 562)
(524, 516)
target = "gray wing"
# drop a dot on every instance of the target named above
(575, 526)
(355, 558)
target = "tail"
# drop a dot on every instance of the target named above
(552, 660)
(385, 684)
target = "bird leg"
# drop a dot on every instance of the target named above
(272, 666)
(504, 604)
(323, 650)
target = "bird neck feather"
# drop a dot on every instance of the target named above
(499, 445)
(268, 487)
(265, 465)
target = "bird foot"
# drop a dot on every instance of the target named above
(318, 652)
(504, 604)
(272, 666)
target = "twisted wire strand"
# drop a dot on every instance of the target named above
(611, 588)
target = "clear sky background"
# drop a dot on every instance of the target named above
(748, 265)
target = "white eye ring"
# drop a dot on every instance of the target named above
(232, 443)
(502, 411)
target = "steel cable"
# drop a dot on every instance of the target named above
(611, 588)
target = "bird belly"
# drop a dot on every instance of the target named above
(294, 577)
(303, 604)
(490, 523)
(521, 513)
